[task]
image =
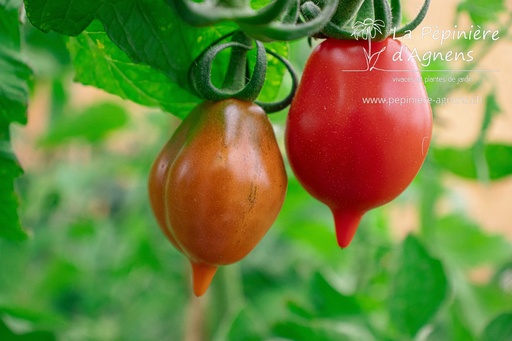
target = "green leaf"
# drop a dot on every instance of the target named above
(28, 315)
(14, 74)
(92, 125)
(275, 71)
(493, 298)
(499, 329)
(461, 162)
(329, 302)
(299, 310)
(450, 327)
(65, 17)
(298, 331)
(11, 4)
(150, 33)
(418, 289)
(36, 336)
(244, 328)
(457, 161)
(482, 11)
(463, 242)
(7, 335)
(50, 45)
(10, 227)
(319, 330)
(13, 105)
(5, 332)
(100, 63)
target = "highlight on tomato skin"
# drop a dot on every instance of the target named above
(218, 185)
(349, 152)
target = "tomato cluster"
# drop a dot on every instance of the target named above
(355, 138)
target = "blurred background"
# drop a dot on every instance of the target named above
(435, 264)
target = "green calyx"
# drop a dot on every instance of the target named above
(279, 20)
(238, 83)
(365, 19)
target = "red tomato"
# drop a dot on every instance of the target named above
(359, 127)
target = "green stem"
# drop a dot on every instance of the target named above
(235, 76)
(414, 23)
(366, 11)
(346, 12)
(229, 298)
(430, 191)
(480, 160)
(396, 13)
(382, 12)
(233, 287)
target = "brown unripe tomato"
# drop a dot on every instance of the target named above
(218, 185)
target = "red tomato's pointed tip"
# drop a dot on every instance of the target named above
(346, 224)
(202, 275)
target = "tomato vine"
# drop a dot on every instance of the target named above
(226, 94)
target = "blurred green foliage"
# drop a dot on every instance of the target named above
(96, 267)
(14, 77)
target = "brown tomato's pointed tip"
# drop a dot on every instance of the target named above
(202, 275)
(346, 224)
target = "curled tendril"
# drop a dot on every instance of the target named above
(280, 105)
(238, 83)
(201, 70)
(413, 23)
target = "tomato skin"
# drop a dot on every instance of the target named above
(218, 185)
(350, 155)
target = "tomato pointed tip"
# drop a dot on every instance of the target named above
(202, 275)
(346, 224)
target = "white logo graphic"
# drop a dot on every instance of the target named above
(367, 30)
